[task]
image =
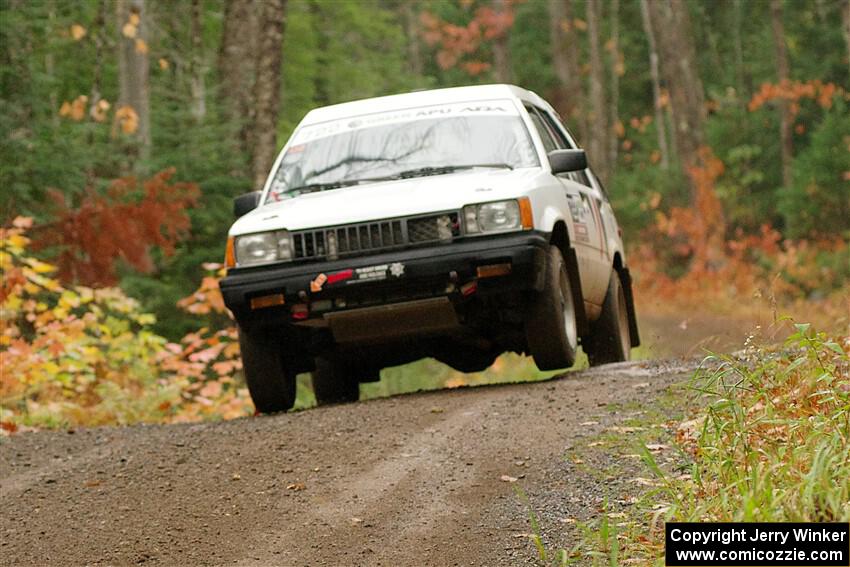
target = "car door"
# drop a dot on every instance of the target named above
(588, 228)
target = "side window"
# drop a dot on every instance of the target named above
(602, 189)
(564, 143)
(545, 135)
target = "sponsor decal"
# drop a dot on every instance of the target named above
(397, 269)
(318, 282)
(581, 232)
(369, 273)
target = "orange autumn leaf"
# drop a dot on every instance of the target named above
(75, 110)
(127, 119)
(141, 47)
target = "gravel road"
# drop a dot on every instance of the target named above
(409, 480)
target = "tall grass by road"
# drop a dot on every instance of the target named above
(766, 439)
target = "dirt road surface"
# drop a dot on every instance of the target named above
(409, 480)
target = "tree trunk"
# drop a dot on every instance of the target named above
(267, 87)
(672, 25)
(133, 67)
(845, 20)
(616, 70)
(782, 74)
(660, 123)
(501, 54)
(414, 45)
(569, 97)
(739, 52)
(196, 72)
(599, 131)
(236, 70)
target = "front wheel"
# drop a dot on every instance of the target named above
(551, 330)
(334, 382)
(610, 340)
(270, 381)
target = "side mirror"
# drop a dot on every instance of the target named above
(246, 203)
(563, 161)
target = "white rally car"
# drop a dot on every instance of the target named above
(455, 223)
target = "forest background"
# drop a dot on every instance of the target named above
(721, 130)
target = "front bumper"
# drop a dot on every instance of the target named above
(386, 278)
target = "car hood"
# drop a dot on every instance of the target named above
(389, 199)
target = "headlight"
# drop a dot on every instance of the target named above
(263, 248)
(498, 216)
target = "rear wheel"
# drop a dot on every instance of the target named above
(609, 339)
(551, 330)
(334, 382)
(270, 381)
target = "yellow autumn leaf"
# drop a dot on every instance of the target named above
(141, 46)
(580, 24)
(39, 266)
(129, 30)
(134, 18)
(163, 63)
(17, 242)
(78, 32)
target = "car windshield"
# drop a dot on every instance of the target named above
(409, 143)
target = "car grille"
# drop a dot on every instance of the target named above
(366, 238)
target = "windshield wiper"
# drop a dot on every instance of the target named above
(441, 170)
(407, 174)
(316, 187)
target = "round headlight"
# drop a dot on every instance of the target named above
(503, 215)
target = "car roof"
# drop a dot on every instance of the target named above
(421, 98)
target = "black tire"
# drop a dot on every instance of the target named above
(334, 382)
(551, 329)
(609, 339)
(270, 381)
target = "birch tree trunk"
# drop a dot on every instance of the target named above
(599, 130)
(133, 67)
(267, 87)
(660, 123)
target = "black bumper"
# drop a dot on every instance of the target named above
(427, 272)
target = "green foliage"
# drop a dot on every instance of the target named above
(818, 203)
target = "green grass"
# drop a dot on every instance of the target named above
(430, 374)
(766, 438)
